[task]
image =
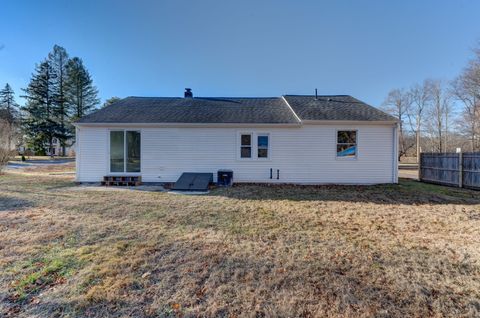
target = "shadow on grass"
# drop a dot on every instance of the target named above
(12, 204)
(406, 192)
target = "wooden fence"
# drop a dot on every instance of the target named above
(452, 169)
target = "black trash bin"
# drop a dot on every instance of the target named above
(225, 178)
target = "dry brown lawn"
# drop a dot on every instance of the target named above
(249, 251)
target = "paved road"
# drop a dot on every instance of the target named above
(408, 174)
(37, 163)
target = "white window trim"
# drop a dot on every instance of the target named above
(356, 144)
(124, 153)
(254, 135)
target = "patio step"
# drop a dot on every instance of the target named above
(122, 181)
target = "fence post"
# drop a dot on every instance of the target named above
(460, 169)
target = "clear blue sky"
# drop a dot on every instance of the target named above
(243, 48)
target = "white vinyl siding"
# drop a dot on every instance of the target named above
(305, 155)
(91, 154)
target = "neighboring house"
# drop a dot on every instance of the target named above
(288, 139)
(55, 150)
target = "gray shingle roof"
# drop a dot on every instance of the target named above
(271, 110)
(194, 110)
(335, 107)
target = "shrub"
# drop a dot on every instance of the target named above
(5, 155)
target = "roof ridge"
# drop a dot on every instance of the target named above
(302, 95)
(206, 97)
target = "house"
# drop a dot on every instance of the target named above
(55, 150)
(289, 139)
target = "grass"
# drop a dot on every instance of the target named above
(333, 251)
(50, 269)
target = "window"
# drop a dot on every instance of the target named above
(54, 141)
(253, 145)
(246, 146)
(347, 143)
(125, 151)
(262, 146)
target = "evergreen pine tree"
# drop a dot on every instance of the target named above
(39, 124)
(9, 111)
(110, 101)
(58, 60)
(81, 93)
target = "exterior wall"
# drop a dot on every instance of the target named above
(91, 157)
(305, 155)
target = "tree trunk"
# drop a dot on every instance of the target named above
(9, 137)
(50, 146)
(418, 140)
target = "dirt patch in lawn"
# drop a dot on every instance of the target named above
(332, 251)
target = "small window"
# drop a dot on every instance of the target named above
(262, 144)
(347, 143)
(246, 146)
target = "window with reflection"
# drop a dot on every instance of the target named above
(125, 151)
(347, 143)
(262, 146)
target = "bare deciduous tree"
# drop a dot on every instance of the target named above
(398, 103)
(439, 115)
(466, 89)
(420, 96)
(5, 152)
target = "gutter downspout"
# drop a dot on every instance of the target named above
(395, 154)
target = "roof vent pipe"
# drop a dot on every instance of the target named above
(316, 94)
(188, 93)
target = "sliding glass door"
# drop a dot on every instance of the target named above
(117, 152)
(125, 151)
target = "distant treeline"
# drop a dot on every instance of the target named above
(439, 116)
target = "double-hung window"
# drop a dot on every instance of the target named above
(262, 146)
(125, 151)
(246, 146)
(346, 143)
(254, 146)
